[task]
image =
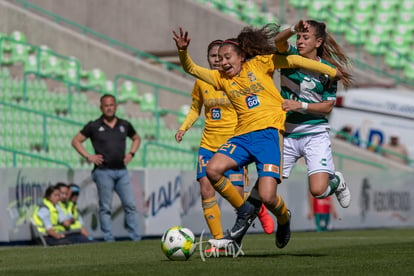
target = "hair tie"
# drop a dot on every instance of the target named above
(215, 42)
(231, 42)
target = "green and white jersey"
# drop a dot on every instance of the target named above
(305, 86)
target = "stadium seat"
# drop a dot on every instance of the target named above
(129, 92)
(336, 24)
(53, 67)
(401, 43)
(72, 70)
(5, 57)
(96, 79)
(299, 4)
(231, 12)
(409, 69)
(387, 5)
(19, 53)
(148, 103)
(3, 40)
(355, 36)
(251, 13)
(43, 53)
(109, 87)
(375, 44)
(30, 64)
(318, 9)
(15, 36)
(184, 109)
(382, 31)
(394, 59)
(366, 6)
(406, 5)
(268, 17)
(385, 17)
(362, 20)
(342, 8)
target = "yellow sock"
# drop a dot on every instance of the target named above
(229, 192)
(211, 212)
(280, 211)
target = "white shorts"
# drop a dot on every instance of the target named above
(315, 148)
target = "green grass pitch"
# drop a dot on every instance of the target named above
(356, 252)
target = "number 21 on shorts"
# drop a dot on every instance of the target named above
(228, 147)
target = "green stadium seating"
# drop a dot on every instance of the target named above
(6, 58)
(184, 109)
(71, 70)
(383, 31)
(148, 103)
(128, 92)
(318, 9)
(336, 24)
(15, 36)
(355, 36)
(387, 5)
(342, 8)
(19, 53)
(362, 20)
(30, 64)
(409, 69)
(385, 17)
(96, 79)
(53, 66)
(53, 102)
(406, 5)
(375, 44)
(366, 6)
(300, 4)
(395, 59)
(401, 43)
(109, 87)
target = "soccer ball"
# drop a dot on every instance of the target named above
(178, 243)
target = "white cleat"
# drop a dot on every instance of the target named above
(220, 243)
(342, 192)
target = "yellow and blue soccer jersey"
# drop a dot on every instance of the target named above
(310, 87)
(253, 94)
(220, 116)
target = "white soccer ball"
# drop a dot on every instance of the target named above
(178, 243)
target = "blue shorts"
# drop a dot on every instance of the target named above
(204, 155)
(263, 147)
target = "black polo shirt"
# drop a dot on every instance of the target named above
(109, 142)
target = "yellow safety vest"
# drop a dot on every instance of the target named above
(54, 217)
(73, 209)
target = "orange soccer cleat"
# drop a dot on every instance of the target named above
(266, 220)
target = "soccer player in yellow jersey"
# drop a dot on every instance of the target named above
(247, 66)
(220, 122)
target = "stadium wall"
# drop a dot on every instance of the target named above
(171, 197)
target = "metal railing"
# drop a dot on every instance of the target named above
(164, 146)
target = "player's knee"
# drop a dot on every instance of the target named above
(269, 200)
(213, 172)
(317, 191)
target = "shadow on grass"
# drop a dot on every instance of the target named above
(273, 255)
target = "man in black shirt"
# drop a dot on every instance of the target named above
(108, 136)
